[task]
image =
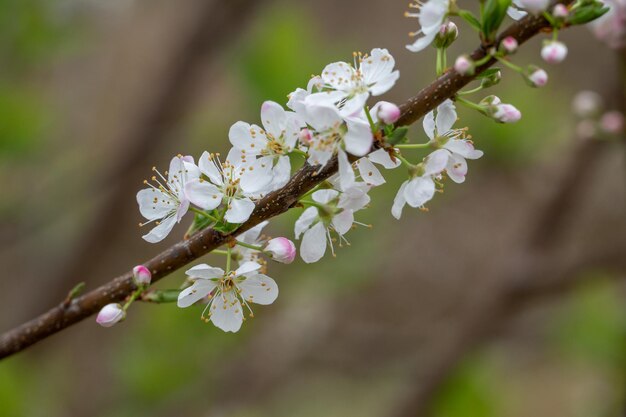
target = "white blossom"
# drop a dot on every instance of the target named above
(431, 14)
(223, 183)
(228, 293)
(166, 202)
(110, 315)
(350, 86)
(267, 149)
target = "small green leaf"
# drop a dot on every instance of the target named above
(587, 13)
(398, 135)
(470, 18)
(488, 73)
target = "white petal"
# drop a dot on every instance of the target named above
(456, 168)
(205, 272)
(246, 137)
(342, 222)
(161, 231)
(446, 116)
(154, 204)
(313, 244)
(273, 118)
(354, 105)
(195, 292)
(358, 140)
(203, 194)
(369, 173)
(515, 13)
(429, 125)
(226, 312)
(346, 173)
(281, 172)
(463, 148)
(399, 201)
(259, 289)
(422, 42)
(182, 209)
(239, 210)
(339, 75)
(383, 158)
(385, 84)
(247, 267)
(305, 220)
(377, 66)
(252, 235)
(419, 191)
(324, 196)
(355, 198)
(208, 168)
(436, 162)
(319, 156)
(257, 176)
(323, 117)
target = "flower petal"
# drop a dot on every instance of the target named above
(259, 289)
(203, 194)
(239, 210)
(446, 117)
(274, 118)
(342, 222)
(369, 173)
(154, 204)
(429, 125)
(419, 191)
(204, 272)
(246, 268)
(252, 235)
(324, 196)
(226, 312)
(399, 201)
(456, 168)
(248, 138)
(161, 231)
(305, 220)
(358, 140)
(208, 168)
(346, 173)
(436, 162)
(313, 244)
(195, 292)
(383, 158)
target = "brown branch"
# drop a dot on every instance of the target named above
(272, 205)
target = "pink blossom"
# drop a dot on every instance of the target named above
(142, 275)
(110, 314)
(282, 250)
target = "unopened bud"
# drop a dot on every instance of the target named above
(554, 52)
(448, 32)
(612, 122)
(389, 113)
(491, 80)
(464, 65)
(500, 112)
(281, 249)
(142, 275)
(509, 44)
(587, 104)
(536, 77)
(110, 314)
(305, 136)
(560, 11)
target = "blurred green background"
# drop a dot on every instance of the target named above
(94, 93)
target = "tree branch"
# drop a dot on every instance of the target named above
(275, 203)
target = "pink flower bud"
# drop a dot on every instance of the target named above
(612, 122)
(448, 32)
(142, 275)
(281, 249)
(110, 314)
(305, 136)
(464, 65)
(560, 11)
(507, 113)
(389, 113)
(554, 52)
(587, 104)
(538, 78)
(509, 44)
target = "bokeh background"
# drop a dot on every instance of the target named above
(450, 313)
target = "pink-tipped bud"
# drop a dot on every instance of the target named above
(110, 314)
(587, 104)
(509, 44)
(538, 78)
(554, 52)
(507, 113)
(560, 11)
(612, 122)
(142, 275)
(281, 249)
(448, 32)
(389, 113)
(305, 136)
(464, 65)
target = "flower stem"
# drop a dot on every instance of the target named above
(160, 296)
(133, 297)
(472, 91)
(413, 146)
(219, 252)
(470, 104)
(203, 213)
(249, 246)
(369, 119)
(510, 64)
(300, 152)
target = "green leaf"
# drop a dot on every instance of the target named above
(587, 13)
(488, 73)
(493, 16)
(470, 18)
(398, 135)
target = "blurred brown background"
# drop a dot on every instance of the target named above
(506, 299)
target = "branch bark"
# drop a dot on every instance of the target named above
(275, 203)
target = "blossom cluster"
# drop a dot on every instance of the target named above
(331, 120)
